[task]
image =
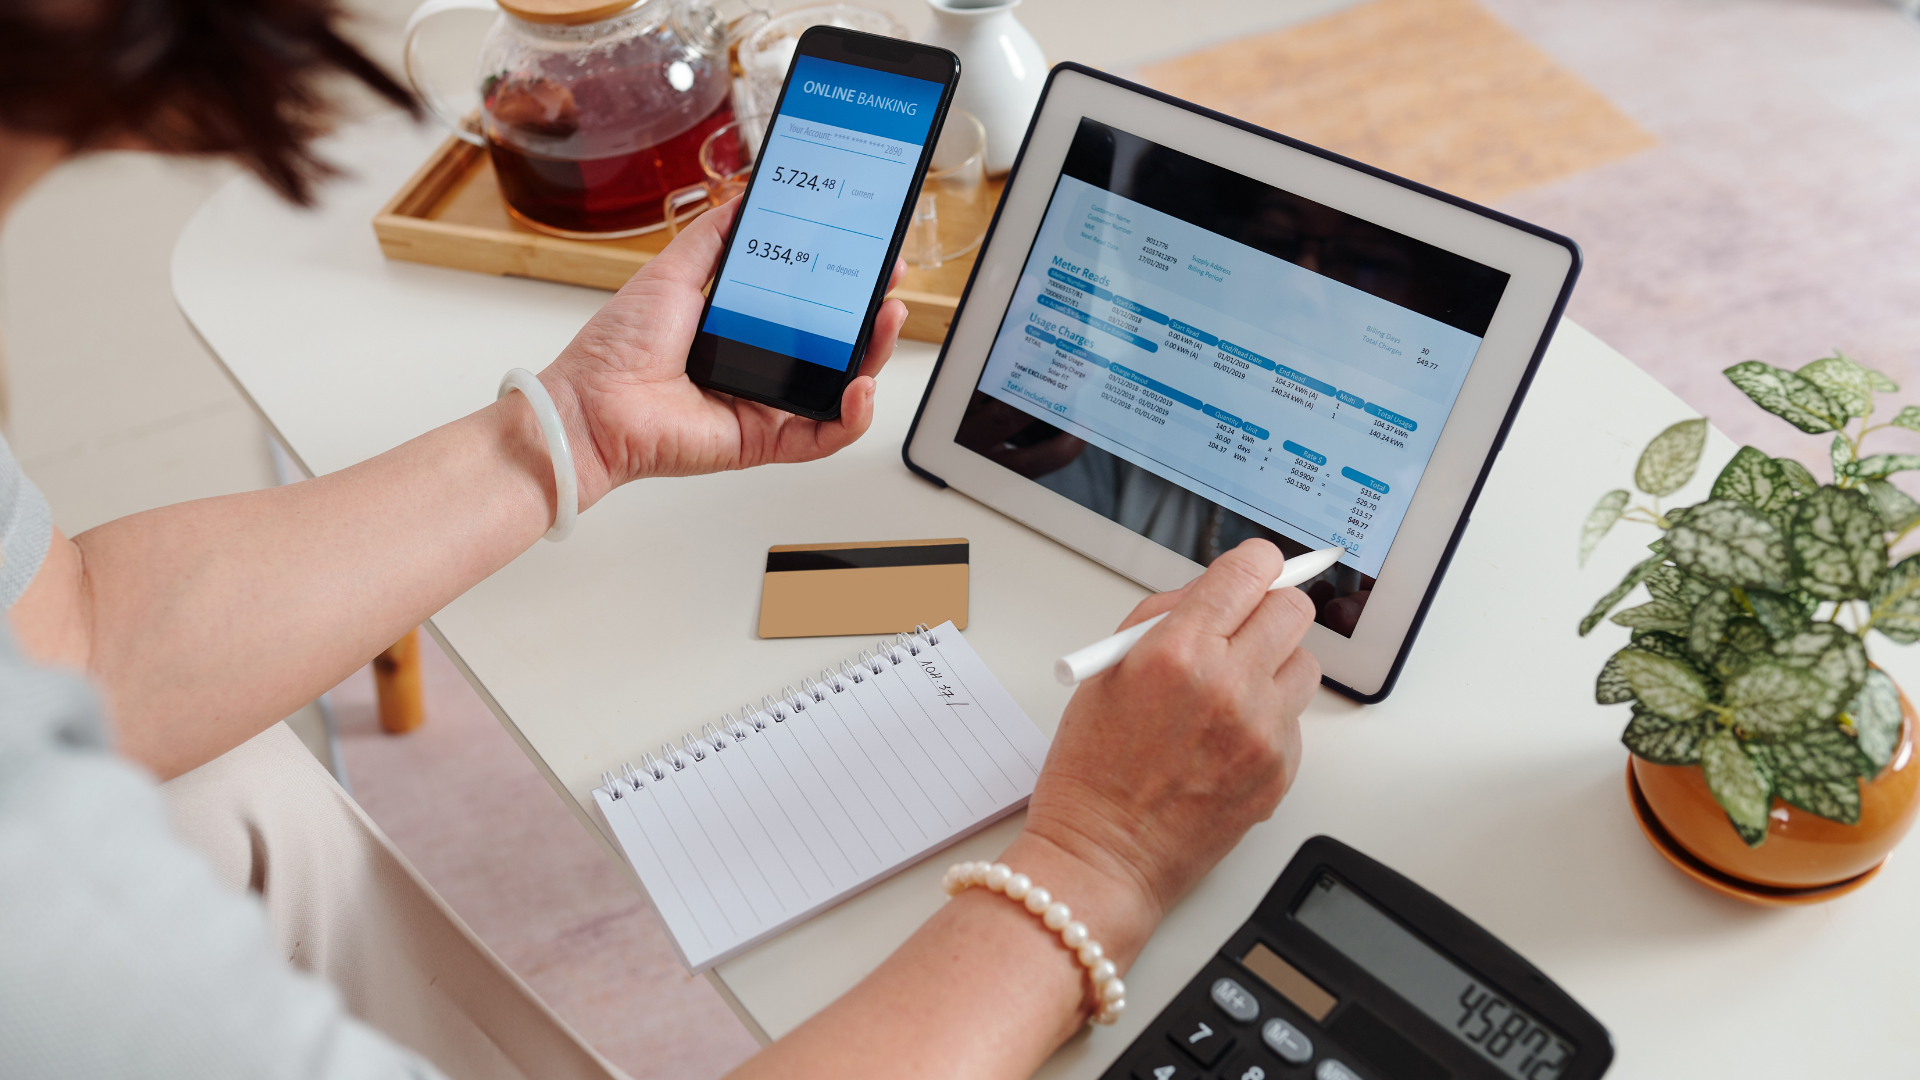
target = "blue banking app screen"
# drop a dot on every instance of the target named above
(835, 170)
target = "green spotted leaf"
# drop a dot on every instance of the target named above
(1618, 593)
(1834, 656)
(1662, 741)
(1781, 616)
(1895, 605)
(1674, 647)
(1846, 384)
(1605, 513)
(1707, 624)
(1747, 477)
(1881, 384)
(1745, 638)
(1738, 784)
(1875, 714)
(1818, 772)
(1731, 544)
(1839, 549)
(1668, 583)
(1786, 395)
(1655, 615)
(1757, 480)
(1840, 454)
(1670, 459)
(1611, 688)
(1663, 643)
(1909, 418)
(1898, 511)
(1673, 688)
(1798, 480)
(1880, 465)
(1770, 700)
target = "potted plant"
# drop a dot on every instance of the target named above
(1765, 743)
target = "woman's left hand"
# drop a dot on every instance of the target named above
(622, 384)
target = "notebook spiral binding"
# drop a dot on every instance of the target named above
(712, 738)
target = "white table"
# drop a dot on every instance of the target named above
(1489, 776)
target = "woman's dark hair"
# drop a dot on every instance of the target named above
(239, 77)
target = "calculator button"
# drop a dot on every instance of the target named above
(1287, 1041)
(1163, 1066)
(1199, 1034)
(1332, 1070)
(1250, 1065)
(1235, 1001)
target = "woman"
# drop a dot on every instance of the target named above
(199, 625)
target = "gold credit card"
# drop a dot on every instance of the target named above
(877, 587)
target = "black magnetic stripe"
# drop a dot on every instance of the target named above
(866, 558)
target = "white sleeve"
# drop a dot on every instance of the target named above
(26, 528)
(121, 956)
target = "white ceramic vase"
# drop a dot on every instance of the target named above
(1001, 69)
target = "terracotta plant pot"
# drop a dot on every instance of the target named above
(1803, 853)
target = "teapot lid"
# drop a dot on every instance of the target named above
(568, 12)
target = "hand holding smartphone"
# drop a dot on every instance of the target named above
(805, 268)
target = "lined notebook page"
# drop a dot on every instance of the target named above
(756, 824)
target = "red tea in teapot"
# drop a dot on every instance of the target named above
(597, 153)
(592, 110)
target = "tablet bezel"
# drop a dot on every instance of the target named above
(1541, 266)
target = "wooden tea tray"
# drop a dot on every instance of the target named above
(450, 214)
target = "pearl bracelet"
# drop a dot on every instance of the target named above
(1109, 993)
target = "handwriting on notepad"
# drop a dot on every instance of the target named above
(949, 691)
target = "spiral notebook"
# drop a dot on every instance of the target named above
(775, 813)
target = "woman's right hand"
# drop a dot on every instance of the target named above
(1158, 768)
(1162, 763)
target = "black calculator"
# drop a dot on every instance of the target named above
(1348, 971)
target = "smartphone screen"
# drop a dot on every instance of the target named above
(821, 223)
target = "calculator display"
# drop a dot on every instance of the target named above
(1475, 1013)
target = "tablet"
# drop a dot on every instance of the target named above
(1183, 331)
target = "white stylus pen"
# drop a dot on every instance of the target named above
(1101, 655)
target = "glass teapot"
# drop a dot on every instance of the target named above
(591, 111)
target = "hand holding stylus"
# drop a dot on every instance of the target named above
(1077, 667)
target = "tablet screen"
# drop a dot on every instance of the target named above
(1203, 358)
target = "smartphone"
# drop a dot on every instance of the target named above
(805, 269)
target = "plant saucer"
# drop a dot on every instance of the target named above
(1726, 884)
